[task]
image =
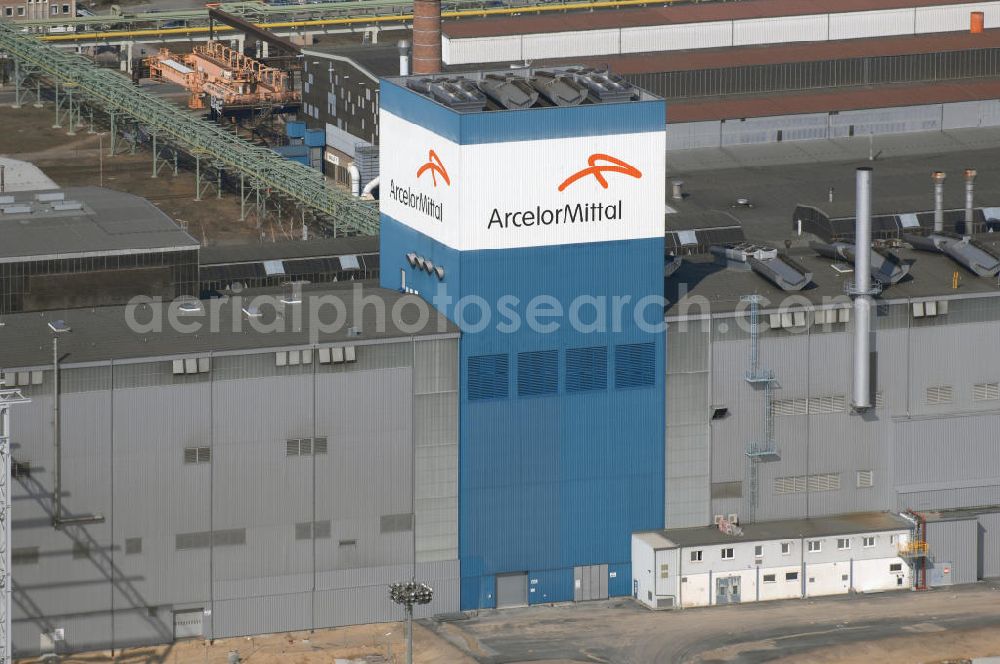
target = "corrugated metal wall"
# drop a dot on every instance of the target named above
(954, 545)
(715, 34)
(816, 126)
(118, 582)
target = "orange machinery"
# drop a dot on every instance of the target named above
(222, 77)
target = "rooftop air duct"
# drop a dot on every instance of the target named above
(970, 183)
(510, 92)
(558, 89)
(938, 177)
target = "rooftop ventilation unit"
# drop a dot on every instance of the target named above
(458, 93)
(604, 87)
(65, 206)
(59, 326)
(558, 89)
(777, 268)
(49, 197)
(20, 208)
(509, 91)
(965, 251)
(6, 200)
(887, 268)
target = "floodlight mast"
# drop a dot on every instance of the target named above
(408, 594)
(7, 399)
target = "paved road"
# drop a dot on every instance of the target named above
(621, 632)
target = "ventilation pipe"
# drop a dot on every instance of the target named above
(426, 36)
(369, 188)
(862, 291)
(404, 57)
(970, 183)
(938, 177)
(355, 180)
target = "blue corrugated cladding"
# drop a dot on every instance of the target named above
(551, 475)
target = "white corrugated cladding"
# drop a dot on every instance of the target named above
(860, 25)
(716, 34)
(568, 44)
(954, 17)
(780, 30)
(653, 38)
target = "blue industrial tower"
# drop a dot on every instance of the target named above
(539, 231)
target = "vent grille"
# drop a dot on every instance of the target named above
(197, 454)
(635, 365)
(305, 446)
(396, 523)
(801, 483)
(587, 369)
(488, 375)
(940, 394)
(202, 540)
(865, 479)
(27, 555)
(133, 545)
(811, 406)
(786, 407)
(537, 373)
(319, 446)
(986, 391)
(823, 405)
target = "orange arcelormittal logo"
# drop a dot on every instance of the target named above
(610, 165)
(436, 168)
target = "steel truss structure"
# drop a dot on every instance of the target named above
(79, 80)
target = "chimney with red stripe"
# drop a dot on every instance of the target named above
(426, 36)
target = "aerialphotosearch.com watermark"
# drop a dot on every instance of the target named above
(363, 309)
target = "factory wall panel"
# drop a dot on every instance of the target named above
(863, 25)
(989, 545)
(481, 49)
(899, 120)
(570, 44)
(646, 39)
(954, 17)
(960, 370)
(691, 135)
(954, 542)
(963, 114)
(261, 614)
(982, 492)
(688, 434)
(924, 462)
(780, 30)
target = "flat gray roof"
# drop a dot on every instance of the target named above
(847, 524)
(103, 334)
(320, 247)
(775, 187)
(959, 514)
(107, 222)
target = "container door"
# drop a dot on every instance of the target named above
(722, 590)
(189, 624)
(512, 590)
(602, 592)
(578, 584)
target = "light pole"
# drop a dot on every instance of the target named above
(408, 594)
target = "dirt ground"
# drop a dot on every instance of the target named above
(359, 643)
(74, 161)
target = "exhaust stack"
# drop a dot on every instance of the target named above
(426, 37)
(970, 183)
(862, 291)
(404, 57)
(938, 177)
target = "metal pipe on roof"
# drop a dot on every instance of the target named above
(970, 180)
(938, 177)
(862, 290)
(404, 57)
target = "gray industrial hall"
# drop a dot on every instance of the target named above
(228, 483)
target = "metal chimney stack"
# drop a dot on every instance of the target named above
(938, 177)
(404, 57)
(970, 183)
(862, 291)
(426, 36)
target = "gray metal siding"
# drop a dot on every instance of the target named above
(955, 542)
(244, 411)
(989, 545)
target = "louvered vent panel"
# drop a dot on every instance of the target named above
(204, 454)
(321, 530)
(292, 447)
(940, 394)
(488, 375)
(865, 479)
(827, 482)
(537, 373)
(784, 407)
(190, 455)
(305, 446)
(635, 365)
(986, 391)
(824, 405)
(303, 531)
(587, 369)
(319, 446)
